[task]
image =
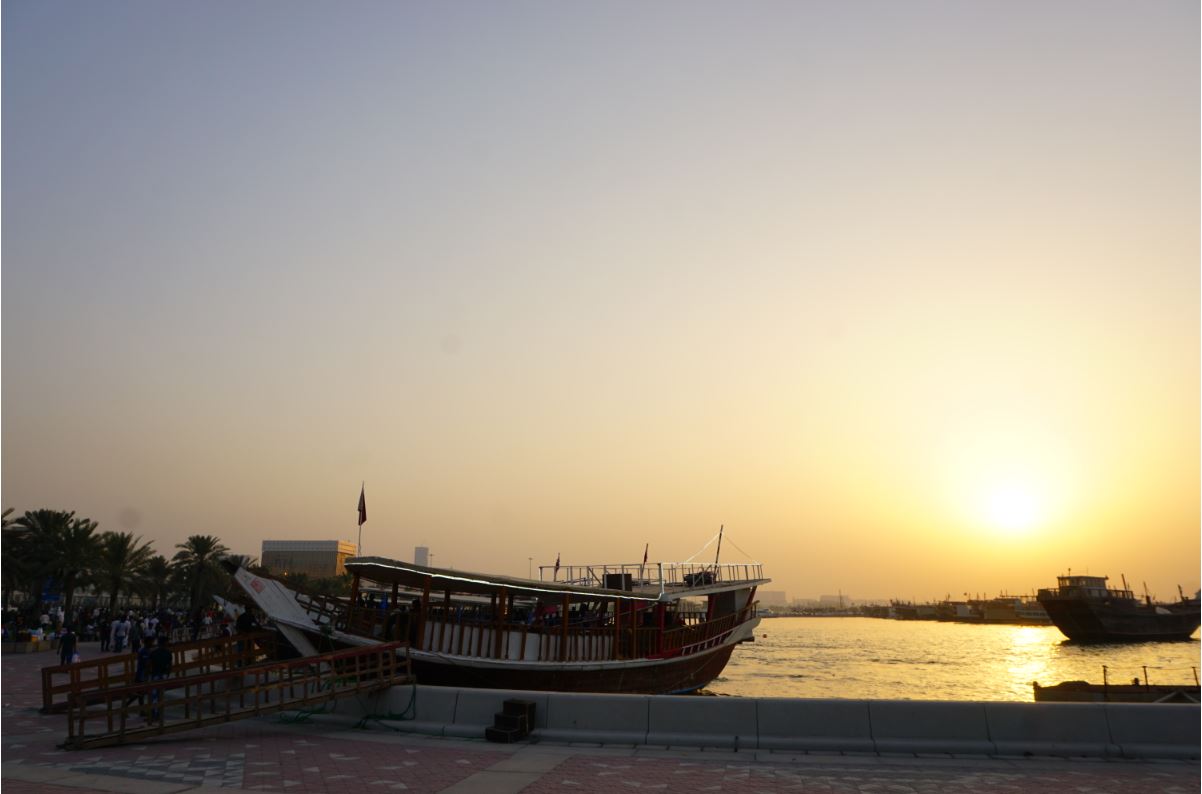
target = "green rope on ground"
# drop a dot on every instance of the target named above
(303, 715)
(408, 713)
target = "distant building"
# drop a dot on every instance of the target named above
(839, 601)
(421, 555)
(772, 598)
(315, 558)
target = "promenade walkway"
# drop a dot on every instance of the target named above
(328, 754)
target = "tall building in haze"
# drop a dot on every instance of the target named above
(421, 555)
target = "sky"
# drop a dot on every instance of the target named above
(903, 295)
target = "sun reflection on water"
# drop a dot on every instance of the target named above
(927, 660)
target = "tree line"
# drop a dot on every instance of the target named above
(54, 552)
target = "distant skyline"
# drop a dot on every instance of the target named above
(906, 295)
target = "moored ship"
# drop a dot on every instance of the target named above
(1086, 609)
(1015, 610)
(1135, 692)
(661, 628)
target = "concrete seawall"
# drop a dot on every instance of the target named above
(1107, 730)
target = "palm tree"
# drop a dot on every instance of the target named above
(156, 580)
(250, 563)
(122, 563)
(298, 581)
(27, 550)
(332, 585)
(13, 556)
(198, 561)
(74, 558)
(58, 548)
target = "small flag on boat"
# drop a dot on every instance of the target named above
(557, 562)
(362, 505)
(645, 549)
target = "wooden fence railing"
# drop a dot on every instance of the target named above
(61, 683)
(132, 713)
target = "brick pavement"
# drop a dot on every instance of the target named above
(328, 755)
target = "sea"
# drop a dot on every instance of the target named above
(875, 658)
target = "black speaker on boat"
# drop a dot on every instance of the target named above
(619, 581)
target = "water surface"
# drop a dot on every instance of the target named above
(921, 660)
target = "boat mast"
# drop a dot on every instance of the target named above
(719, 551)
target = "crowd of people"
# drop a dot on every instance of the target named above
(119, 631)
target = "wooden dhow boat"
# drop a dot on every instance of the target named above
(660, 628)
(1087, 609)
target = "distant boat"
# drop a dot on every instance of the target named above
(904, 610)
(1013, 609)
(1030, 612)
(958, 611)
(1084, 608)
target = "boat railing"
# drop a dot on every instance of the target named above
(1081, 591)
(690, 639)
(660, 575)
(597, 637)
(691, 617)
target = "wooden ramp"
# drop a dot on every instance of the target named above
(135, 713)
(61, 683)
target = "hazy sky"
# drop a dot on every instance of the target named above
(905, 294)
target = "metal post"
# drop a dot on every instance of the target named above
(617, 627)
(563, 631)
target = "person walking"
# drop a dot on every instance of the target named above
(141, 668)
(120, 632)
(135, 635)
(104, 631)
(160, 668)
(66, 645)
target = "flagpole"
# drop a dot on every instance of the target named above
(362, 513)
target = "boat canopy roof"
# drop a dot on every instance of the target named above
(585, 583)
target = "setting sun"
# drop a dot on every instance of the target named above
(1013, 508)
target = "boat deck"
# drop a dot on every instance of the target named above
(660, 581)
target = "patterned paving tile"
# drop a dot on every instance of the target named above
(583, 774)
